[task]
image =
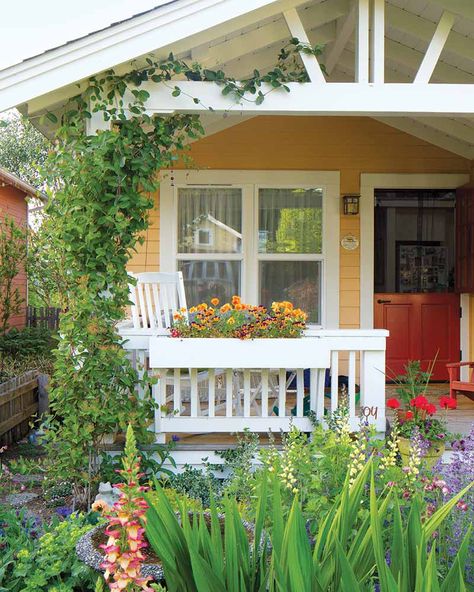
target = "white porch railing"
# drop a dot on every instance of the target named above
(227, 385)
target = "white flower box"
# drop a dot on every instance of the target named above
(304, 352)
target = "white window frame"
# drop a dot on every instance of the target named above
(250, 182)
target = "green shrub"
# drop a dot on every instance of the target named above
(196, 484)
(28, 341)
(52, 565)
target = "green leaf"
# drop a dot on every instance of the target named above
(51, 117)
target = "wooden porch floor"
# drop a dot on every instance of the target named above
(459, 421)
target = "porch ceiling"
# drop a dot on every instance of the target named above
(241, 35)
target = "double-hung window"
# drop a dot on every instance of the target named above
(265, 240)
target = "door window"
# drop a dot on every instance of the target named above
(414, 241)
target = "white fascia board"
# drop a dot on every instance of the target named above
(316, 99)
(121, 43)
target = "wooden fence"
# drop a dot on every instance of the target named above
(18, 403)
(45, 317)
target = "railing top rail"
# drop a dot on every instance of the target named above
(346, 333)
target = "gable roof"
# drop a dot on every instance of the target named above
(7, 178)
(241, 35)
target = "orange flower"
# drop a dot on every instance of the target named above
(236, 300)
(214, 301)
(225, 308)
(177, 316)
(239, 306)
(100, 506)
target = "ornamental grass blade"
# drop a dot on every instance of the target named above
(387, 581)
(451, 582)
(216, 540)
(258, 564)
(205, 579)
(297, 551)
(361, 552)
(431, 572)
(437, 518)
(398, 556)
(348, 582)
(413, 538)
(277, 517)
(172, 549)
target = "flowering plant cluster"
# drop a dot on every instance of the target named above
(419, 415)
(236, 319)
(123, 550)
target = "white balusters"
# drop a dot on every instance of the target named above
(351, 389)
(281, 392)
(264, 393)
(229, 378)
(299, 392)
(246, 393)
(313, 389)
(177, 392)
(212, 393)
(194, 393)
(334, 380)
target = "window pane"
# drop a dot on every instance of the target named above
(204, 280)
(290, 220)
(296, 281)
(209, 220)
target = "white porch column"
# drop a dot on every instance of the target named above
(372, 397)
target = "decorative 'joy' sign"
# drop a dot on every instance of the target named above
(369, 412)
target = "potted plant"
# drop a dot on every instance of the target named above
(418, 417)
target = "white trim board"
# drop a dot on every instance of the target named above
(194, 20)
(248, 180)
(368, 184)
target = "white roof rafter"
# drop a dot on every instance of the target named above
(310, 62)
(435, 48)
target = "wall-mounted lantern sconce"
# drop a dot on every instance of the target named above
(351, 204)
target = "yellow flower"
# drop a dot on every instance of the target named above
(225, 308)
(192, 309)
(231, 321)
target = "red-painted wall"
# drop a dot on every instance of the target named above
(13, 204)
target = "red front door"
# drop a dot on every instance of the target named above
(422, 327)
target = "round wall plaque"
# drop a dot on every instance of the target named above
(349, 242)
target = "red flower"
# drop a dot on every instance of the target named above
(419, 402)
(448, 403)
(409, 415)
(393, 403)
(430, 409)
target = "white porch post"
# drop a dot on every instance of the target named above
(373, 385)
(362, 45)
(377, 49)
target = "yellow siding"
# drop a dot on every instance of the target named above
(351, 145)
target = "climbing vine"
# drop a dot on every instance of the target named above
(103, 186)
